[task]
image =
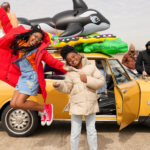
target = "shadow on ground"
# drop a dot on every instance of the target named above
(1, 128)
(60, 131)
(57, 136)
(126, 133)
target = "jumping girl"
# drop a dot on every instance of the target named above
(21, 53)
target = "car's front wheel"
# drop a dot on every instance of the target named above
(18, 122)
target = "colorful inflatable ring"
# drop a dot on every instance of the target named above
(57, 41)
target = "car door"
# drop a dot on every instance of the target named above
(129, 91)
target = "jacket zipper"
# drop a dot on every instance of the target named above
(85, 93)
(86, 97)
(38, 54)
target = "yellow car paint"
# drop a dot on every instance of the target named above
(129, 105)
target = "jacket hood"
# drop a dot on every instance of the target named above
(148, 43)
(131, 47)
(84, 60)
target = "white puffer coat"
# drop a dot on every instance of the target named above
(83, 98)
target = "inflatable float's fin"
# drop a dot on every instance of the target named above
(77, 29)
(47, 20)
(79, 4)
(23, 21)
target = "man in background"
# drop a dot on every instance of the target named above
(143, 61)
(12, 17)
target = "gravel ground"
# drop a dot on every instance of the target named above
(57, 137)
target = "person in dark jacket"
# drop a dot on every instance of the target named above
(143, 61)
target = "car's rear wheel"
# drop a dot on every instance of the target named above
(18, 122)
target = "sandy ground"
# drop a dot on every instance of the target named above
(118, 56)
(57, 137)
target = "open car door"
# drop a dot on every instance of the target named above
(129, 91)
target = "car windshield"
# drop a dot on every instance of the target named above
(119, 73)
(131, 73)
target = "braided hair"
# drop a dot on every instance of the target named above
(17, 45)
(66, 50)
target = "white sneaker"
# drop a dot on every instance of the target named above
(43, 119)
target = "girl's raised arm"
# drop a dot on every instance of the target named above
(5, 21)
(53, 62)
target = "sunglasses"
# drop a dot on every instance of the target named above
(39, 40)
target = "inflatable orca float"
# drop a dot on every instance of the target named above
(76, 22)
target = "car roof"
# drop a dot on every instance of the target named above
(57, 55)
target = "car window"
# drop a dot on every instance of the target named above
(52, 73)
(106, 68)
(119, 73)
(131, 73)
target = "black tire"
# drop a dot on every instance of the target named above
(18, 122)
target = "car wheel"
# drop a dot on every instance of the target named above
(18, 122)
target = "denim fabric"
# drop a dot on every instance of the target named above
(28, 81)
(76, 125)
(103, 89)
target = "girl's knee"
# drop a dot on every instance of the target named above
(76, 130)
(18, 105)
(91, 131)
(13, 105)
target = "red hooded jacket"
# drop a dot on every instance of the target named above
(8, 71)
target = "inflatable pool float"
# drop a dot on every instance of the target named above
(107, 47)
(77, 27)
(57, 41)
(76, 22)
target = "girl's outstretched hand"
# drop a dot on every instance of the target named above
(56, 84)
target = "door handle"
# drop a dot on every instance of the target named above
(124, 90)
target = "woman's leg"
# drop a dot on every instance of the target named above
(76, 125)
(22, 103)
(91, 131)
(13, 100)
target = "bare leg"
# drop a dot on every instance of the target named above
(13, 100)
(21, 103)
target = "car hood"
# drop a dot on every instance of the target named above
(144, 84)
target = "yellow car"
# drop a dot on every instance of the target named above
(127, 99)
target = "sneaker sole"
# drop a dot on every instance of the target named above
(43, 124)
(39, 113)
(51, 118)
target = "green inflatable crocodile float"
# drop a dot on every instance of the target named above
(107, 47)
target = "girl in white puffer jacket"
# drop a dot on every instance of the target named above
(82, 81)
